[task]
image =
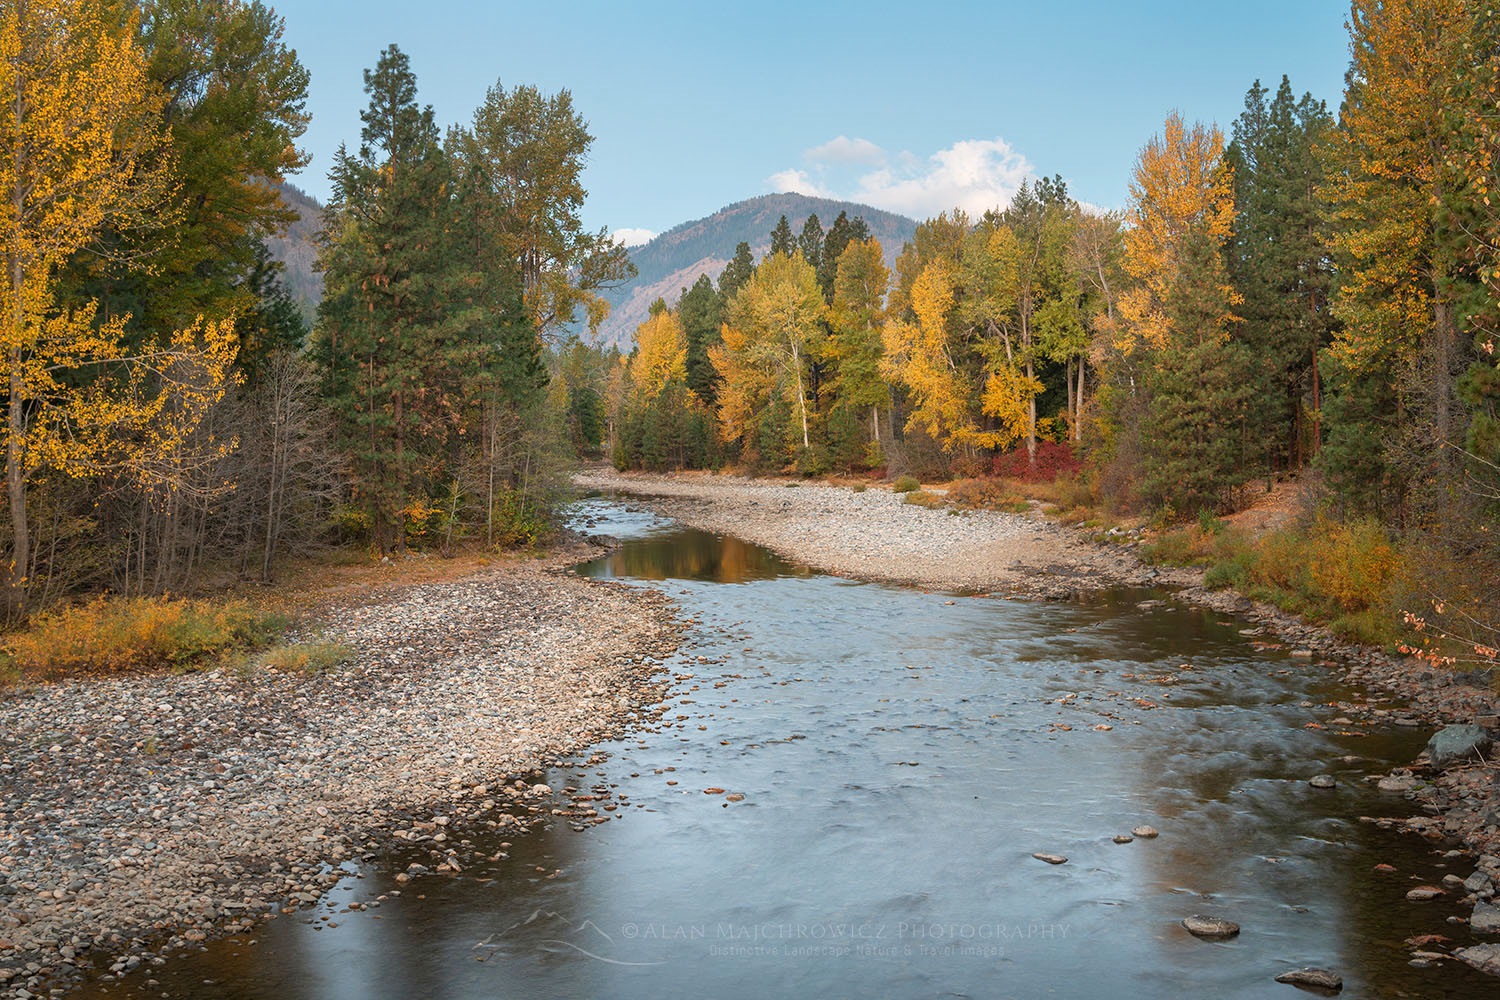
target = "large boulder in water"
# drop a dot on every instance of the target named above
(1453, 744)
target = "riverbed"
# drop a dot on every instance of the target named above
(844, 796)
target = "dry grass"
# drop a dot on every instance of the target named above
(312, 658)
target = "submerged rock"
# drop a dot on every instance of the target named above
(1453, 744)
(1323, 979)
(1210, 927)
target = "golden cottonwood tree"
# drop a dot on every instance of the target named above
(1180, 190)
(79, 126)
(1399, 228)
(924, 357)
(662, 354)
(773, 326)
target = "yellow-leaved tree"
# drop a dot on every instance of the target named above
(922, 356)
(661, 356)
(84, 150)
(1180, 192)
(774, 325)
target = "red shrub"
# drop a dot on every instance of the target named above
(1052, 460)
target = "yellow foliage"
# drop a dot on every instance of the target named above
(920, 356)
(774, 323)
(1397, 130)
(661, 355)
(108, 635)
(1355, 565)
(1180, 187)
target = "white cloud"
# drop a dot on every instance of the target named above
(846, 150)
(632, 237)
(796, 182)
(972, 174)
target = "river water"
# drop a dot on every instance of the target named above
(901, 755)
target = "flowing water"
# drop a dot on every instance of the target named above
(901, 755)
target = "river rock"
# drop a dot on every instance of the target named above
(1210, 927)
(1124, 838)
(1323, 979)
(1397, 783)
(1051, 859)
(1485, 919)
(1484, 957)
(1478, 883)
(1455, 744)
(1145, 832)
(1423, 893)
(1322, 781)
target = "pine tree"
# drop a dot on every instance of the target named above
(811, 243)
(399, 324)
(1278, 262)
(736, 272)
(782, 240)
(699, 309)
(838, 238)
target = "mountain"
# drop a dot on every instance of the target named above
(675, 259)
(296, 251)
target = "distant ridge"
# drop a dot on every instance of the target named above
(675, 259)
(296, 250)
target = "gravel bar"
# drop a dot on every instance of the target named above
(876, 535)
(142, 812)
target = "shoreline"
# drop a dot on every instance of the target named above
(876, 536)
(143, 813)
(873, 535)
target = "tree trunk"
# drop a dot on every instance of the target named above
(400, 475)
(1078, 420)
(801, 399)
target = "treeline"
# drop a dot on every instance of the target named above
(1313, 290)
(169, 413)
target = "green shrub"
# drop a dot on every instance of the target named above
(905, 484)
(858, 488)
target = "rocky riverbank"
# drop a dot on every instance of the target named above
(874, 535)
(139, 813)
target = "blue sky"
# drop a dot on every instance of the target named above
(912, 107)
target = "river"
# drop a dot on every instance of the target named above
(900, 756)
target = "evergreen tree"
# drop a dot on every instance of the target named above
(699, 310)
(1278, 262)
(811, 243)
(399, 322)
(736, 272)
(833, 248)
(1195, 434)
(782, 240)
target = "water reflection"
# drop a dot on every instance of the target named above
(901, 755)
